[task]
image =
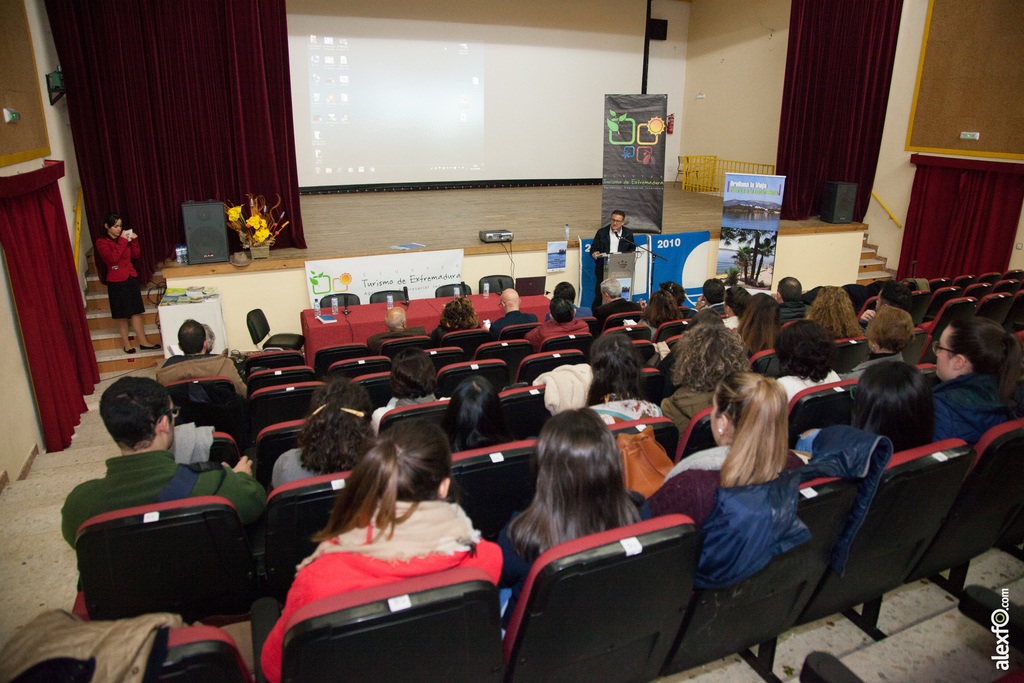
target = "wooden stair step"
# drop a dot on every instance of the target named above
(101, 320)
(109, 338)
(113, 360)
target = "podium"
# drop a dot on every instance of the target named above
(621, 267)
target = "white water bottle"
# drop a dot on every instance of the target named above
(391, 301)
(566, 232)
(334, 305)
(487, 289)
(319, 308)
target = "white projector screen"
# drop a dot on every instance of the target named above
(388, 101)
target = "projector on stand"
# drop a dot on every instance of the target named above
(495, 236)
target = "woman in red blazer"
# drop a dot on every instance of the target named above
(117, 249)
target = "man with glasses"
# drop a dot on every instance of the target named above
(614, 238)
(139, 415)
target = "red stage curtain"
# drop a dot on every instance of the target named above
(962, 218)
(175, 101)
(41, 267)
(838, 71)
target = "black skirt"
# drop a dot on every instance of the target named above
(125, 298)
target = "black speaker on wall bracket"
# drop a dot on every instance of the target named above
(205, 232)
(837, 200)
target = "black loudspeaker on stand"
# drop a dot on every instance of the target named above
(205, 232)
(837, 201)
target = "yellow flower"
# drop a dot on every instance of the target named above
(234, 213)
(261, 234)
(256, 223)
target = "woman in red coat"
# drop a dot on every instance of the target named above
(390, 522)
(117, 250)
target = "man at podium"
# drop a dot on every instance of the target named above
(614, 238)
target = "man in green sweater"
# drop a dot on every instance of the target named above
(139, 415)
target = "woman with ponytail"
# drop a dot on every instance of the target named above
(749, 420)
(391, 522)
(979, 365)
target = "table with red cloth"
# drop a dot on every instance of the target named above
(366, 320)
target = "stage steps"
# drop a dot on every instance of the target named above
(872, 266)
(106, 342)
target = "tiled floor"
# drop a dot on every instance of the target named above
(929, 640)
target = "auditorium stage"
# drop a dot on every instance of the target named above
(358, 224)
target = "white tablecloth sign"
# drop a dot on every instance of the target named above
(208, 312)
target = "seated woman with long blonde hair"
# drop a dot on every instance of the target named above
(750, 423)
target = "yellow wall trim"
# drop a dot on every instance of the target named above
(19, 157)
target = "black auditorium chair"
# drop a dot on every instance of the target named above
(644, 348)
(995, 307)
(988, 503)
(200, 654)
(378, 386)
(537, 364)
(962, 308)
(913, 496)
(665, 432)
(937, 283)
(467, 340)
(516, 331)
(211, 402)
(652, 384)
(391, 347)
(620, 319)
(458, 289)
(569, 624)
(670, 329)
(271, 442)
(279, 404)
(870, 304)
(938, 300)
(382, 296)
(592, 324)
(913, 351)
(850, 353)
(580, 342)
(344, 299)
(324, 358)
(272, 359)
(524, 411)
(631, 331)
(512, 351)
(188, 556)
(493, 483)
(990, 278)
(259, 329)
(1006, 287)
(697, 437)
(1013, 275)
(225, 449)
(354, 367)
(279, 376)
(978, 290)
(821, 406)
(1014, 321)
(920, 300)
(446, 355)
(823, 667)
(724, 621)
(964, 281)
(432, 411)
(450, 376)
(672, 340)
(295, 512)
(766, 363)
(498, 283)
(437, 627)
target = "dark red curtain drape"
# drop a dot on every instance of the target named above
(962, 218)
(41, 267)
(172, 101)
(838, 70)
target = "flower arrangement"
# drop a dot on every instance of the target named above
(260, 227)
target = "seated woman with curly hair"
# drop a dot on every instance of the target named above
(336, 434)
(806, 352)
(760, 323)
(458, 314)
(833, 310)
(703, 356)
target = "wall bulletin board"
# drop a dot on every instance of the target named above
(25, 138)
(971, 79)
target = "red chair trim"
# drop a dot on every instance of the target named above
(684, 438)
(820, 388)
(279, 425)
(308, 481)
(154, 507)
(508, 446)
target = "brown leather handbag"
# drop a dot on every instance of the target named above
(644, 461)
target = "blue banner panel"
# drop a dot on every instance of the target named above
(685, 261)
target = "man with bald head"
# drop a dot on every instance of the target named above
(509, 305)
(394, 319)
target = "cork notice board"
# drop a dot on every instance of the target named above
(19, 89)
(971, 79)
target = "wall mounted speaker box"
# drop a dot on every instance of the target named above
(206, 232)
(657, 29)
(837, 201)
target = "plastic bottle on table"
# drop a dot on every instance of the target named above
(334, 305)
(391, 301)
(487, 289)
(319, 308)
